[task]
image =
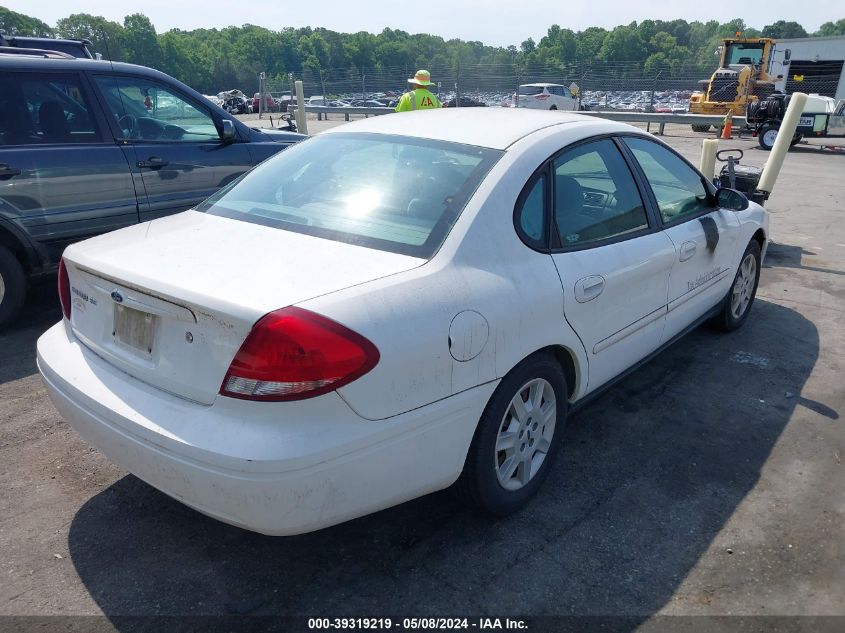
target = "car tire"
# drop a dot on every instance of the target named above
(554, 107)
(12, 286)
(506, 464)
(700, 128)
(740, 297)
(795, 140)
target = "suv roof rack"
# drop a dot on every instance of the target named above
(34, 52)
(69, 48)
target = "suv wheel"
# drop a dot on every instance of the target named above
(12, 286)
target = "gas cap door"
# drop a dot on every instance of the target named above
(468, 335)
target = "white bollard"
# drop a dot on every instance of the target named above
(709, 147)
(786, 132)
(301, 122)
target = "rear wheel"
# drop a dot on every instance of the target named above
(517, 437)
(743, 290)
(554, 107)
(795, 140)
(700, 128)
(12, 286)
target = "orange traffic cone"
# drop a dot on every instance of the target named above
(727, 128)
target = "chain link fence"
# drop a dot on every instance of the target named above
(610, 85)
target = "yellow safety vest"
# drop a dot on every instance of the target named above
(417, 99)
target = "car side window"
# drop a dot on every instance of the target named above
(531, 213)
(45, 109)
(148, 111)
(678, 188)
(595, 196)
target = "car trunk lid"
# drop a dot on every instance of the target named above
(170, 302)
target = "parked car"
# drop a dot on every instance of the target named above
(316, 100)
(544, 96)
(390, 307)
(466, 102)
(88, 147)
(235, 102)
(270, 104)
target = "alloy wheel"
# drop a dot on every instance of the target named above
(743, 288)
(525, 434)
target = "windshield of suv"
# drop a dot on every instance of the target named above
(391, 193)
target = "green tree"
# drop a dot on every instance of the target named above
(13, 23)
(623, 44)
(784, 30)
(831, 28)
(141, 42)
(106, 37)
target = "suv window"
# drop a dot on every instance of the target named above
(678, 188)
(148, 111)
(595, 196)
(44, 109)
(560, 91)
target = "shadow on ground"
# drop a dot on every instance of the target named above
(649, 474)
(17, 341)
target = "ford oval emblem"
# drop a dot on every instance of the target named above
(115, 294)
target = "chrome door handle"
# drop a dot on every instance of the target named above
(687, 251)
(588, 288)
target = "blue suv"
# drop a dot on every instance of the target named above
(90, 146)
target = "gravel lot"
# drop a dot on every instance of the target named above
(708, 482)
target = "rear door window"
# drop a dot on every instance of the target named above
(43, 109)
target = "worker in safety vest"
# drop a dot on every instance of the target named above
(418, 98)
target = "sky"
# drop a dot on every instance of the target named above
(494, 23)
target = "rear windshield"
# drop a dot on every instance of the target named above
(391, 193)
(530, 90)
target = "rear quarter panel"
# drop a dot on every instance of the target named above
(482, 267)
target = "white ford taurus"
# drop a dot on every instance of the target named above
(390, 307)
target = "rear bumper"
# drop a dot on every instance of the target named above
(275, 468)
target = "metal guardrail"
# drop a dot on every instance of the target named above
(626, 116)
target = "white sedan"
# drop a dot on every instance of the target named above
(391, 307)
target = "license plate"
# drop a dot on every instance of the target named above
(806, 121)
(134, 329)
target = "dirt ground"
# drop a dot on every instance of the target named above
(709, 482)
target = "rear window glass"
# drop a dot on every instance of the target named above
(386, 192)
(530, 90)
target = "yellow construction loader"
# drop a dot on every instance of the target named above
(746, 73)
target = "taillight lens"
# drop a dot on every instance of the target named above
(293, 354)
(64, 289)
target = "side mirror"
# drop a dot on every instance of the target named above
(787, 54)
(731, 199)
(228, 130)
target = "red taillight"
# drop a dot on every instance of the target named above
(64, 289)
(292, 354)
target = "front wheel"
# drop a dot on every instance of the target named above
(743, 290)
(517, 437)
(554, 107)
